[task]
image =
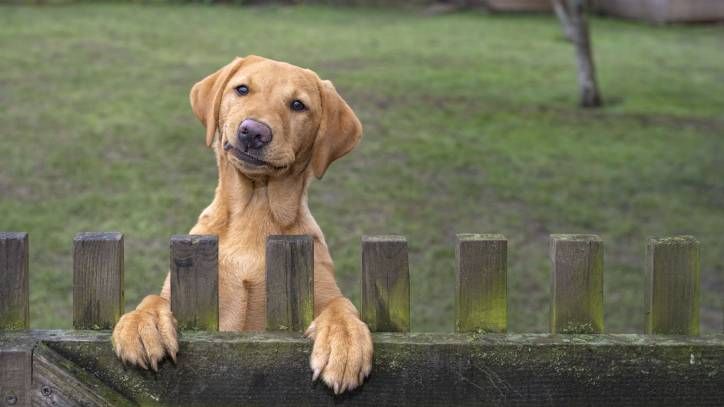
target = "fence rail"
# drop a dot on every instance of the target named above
(480, 364)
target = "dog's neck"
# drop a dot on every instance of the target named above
(280, 200)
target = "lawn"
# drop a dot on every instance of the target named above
(471, 125)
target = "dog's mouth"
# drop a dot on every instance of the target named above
(249, 158)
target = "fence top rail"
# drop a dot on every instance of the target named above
(9, 338)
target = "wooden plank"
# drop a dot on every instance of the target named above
(673, 286)
(289, 282)
(576, 284)
(59, 382)
(14, 293)
(481, 297)
(15, 375)
(419, 369)
(97, 280)
(385, 284)
(195, 281)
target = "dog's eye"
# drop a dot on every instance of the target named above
(297, 106)
(242, 90)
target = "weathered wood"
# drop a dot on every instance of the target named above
(289, 283)
(97, 280)
(14, 294)
(59, 382)
(418, 369)
(481, 297)
(15, 375)
(195, 281)
(385, 284)
(673, 281)
(576, 284)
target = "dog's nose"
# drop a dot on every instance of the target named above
(253, 134)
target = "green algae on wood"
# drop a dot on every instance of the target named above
(385, 284)
(576, 284)
(414, 369)
(673, 286)
(481, 283)
(59, 382)
(14, 291)
(195, 281)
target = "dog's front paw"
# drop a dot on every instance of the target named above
(342, 352)
(144, 336)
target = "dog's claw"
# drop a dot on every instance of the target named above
(316, 373)
(309, 333)
(336, 388)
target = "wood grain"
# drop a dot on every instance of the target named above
(576, 284)
(59, 382)
(289, 282)
(673, 286)
(97, 280)
(14, 287)
(482, 290)
(195, 281)
(385, 284)
(15, 375)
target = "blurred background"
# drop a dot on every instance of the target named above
(472, 124)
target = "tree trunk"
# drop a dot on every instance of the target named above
(573, 18)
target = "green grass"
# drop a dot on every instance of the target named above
(471, 126)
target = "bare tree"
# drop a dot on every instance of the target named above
(572, 14)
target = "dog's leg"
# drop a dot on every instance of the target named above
(144, 336)
(342, 351)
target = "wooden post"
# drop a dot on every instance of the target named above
(385, 284)
(289, 282)
(15, 376)
(195, 281)
(673, 281)
(481, 295)
(577, 284)
(14, 281)
(97, 280)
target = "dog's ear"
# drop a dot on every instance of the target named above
(206, 95)
(339, 131)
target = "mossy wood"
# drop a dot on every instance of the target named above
(576, 284)
(385, 284)
(289, 282)
(260, 369)
(481, 299)
(195, 281)
(673, 286)
(97, 280)
(14, 293)
(59, 382)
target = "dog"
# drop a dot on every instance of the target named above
(273, 128)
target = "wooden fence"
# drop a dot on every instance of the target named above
(480, 364)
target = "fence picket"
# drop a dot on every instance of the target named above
(97, 280)
(385, 284)
(289, 282)
(14, 294)
(195, 281)
(481, 294)
(576, 284)
(673, 282)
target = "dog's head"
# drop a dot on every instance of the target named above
(272, 116)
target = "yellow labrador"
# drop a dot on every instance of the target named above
(278, 126)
